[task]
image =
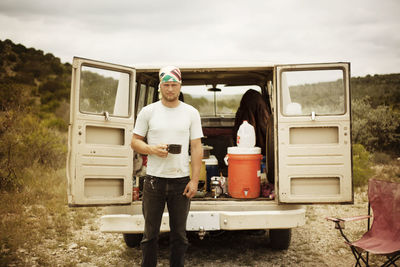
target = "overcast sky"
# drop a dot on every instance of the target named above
(363, 32)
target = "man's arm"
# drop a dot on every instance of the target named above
(196, 152)
(138, 145)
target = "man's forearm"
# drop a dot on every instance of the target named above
(140, 146)
(196, 157)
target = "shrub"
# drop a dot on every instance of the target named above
(25, 78)
(381, 158)
(57, 123)
(12, 57)
(51, 86)
(19, 48)
(56, 67)
(26, 141)
(9, 96)
(375, 128)
(362, 170)
(49, 105)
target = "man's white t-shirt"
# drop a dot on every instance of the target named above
(164, 125)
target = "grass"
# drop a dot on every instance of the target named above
(390, 172)
(36, 215)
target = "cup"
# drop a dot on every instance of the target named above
(174, 148)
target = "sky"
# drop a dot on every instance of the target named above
(128, 32)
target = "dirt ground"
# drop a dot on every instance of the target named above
(316, 243)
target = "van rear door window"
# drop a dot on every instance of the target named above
(307, 91)
(103, 90)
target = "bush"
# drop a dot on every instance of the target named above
(362, 170)
(26, 141)
(49, 105)
(51, 86)
(375, 128)
(19, 48)
(10, 96)
(381, 158)
(57, 123)
(57, 68)
(25, 78)
(12, 57)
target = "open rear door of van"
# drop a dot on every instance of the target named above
(100, 160)
(313, 133)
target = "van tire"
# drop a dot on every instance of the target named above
(132, 240)
(280, 238)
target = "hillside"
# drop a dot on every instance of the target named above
(38, 81)
(46, 78)
(380, 89)
(29, 77)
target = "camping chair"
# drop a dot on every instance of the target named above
(384, 236)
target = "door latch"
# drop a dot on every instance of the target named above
(313, 115)
(106, 115)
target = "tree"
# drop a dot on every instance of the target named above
(376, 128)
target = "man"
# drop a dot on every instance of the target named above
(168, 121)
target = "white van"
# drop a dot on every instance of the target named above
(310, 156)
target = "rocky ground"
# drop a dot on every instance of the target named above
(316, 243)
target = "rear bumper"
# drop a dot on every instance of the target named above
(212, 220)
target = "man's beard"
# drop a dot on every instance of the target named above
(171, 98)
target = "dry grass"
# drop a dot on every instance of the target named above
(37, 216)
(390, 172)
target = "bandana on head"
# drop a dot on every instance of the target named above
(170, 74)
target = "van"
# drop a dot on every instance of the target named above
(308, 157)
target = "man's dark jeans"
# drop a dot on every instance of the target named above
(156, 192)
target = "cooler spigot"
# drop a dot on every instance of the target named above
(246, 191)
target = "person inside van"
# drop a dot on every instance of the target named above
(255, 109)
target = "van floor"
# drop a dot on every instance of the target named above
(230, 199)
(208, 196)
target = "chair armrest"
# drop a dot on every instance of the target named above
(333, 219)
(357, 218)
(349, 219)
(339, 222)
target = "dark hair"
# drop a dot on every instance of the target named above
(181, 97)
(254, 110)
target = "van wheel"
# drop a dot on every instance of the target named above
(280, 238)
(132, 240)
